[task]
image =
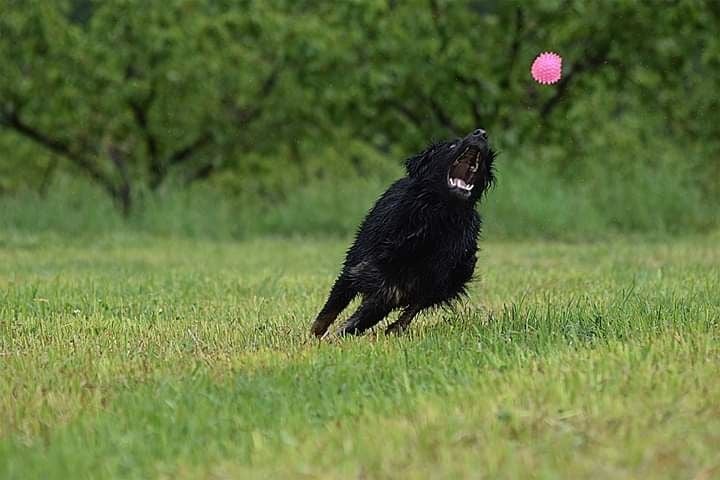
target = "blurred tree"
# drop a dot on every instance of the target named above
(141, 91)
(428, 68)
(133, 93)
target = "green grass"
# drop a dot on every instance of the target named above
(141, 357)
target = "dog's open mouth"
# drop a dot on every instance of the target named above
(461, 176)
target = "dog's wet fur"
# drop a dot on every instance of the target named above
(417, 247)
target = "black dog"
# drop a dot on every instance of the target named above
(417, 247)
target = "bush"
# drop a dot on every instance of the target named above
(533, 198)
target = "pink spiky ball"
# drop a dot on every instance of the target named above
(547, 68)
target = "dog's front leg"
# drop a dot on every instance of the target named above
(370, 312)
(402, 323)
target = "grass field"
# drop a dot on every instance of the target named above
(143, 357)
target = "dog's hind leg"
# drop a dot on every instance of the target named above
(403, 322)
(370, 312)
(341, 295)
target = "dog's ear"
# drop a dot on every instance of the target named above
(414, 164)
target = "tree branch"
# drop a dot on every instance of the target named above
(474, 106)
(248, 114)
(187, 151)
(47, 175)
(443, 117)
(591, 63)
(124, 194)
(140, 111)
(406, 112)
(13, 121)
(201, 173)
(415, 119)
(242, 116)
(514, 48)
(435, 14)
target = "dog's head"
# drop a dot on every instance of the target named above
(462, 168)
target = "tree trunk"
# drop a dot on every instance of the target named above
(123, 198)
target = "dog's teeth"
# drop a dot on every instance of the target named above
(460, 183)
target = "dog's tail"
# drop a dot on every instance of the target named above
(341, 295)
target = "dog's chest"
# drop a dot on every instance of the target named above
(438, 272)
(450, 240)
(440, 254)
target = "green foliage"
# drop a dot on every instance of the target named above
(262, 99)
(144, 90)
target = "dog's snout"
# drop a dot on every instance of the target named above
(480, 133)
